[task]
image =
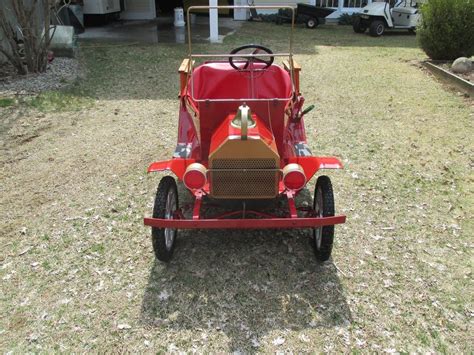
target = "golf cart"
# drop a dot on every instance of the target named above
(379, 16)
(242, 149)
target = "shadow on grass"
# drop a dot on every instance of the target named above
(244, 284)
(136, 71)
(124, 70)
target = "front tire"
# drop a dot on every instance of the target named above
(166, 203)
(323, 205)
(377, 28)
(358, 26)
(312, 23)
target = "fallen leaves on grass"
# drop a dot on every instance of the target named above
(278, 341)
(124, 326)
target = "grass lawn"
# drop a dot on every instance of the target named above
(77, 268)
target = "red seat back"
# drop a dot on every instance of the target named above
(221, 81)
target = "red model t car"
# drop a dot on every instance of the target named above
(241, 137)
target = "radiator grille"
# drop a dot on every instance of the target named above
(244, 178)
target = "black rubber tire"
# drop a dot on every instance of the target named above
(158, 238)
(312, 23)
(358, 27)
(324, 187)
(377, 28)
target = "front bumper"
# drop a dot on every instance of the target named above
(246, 223)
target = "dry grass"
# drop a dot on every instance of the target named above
(77, 268)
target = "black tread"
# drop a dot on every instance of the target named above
(324, 253)
(373, 27)
(358, 27)
(158, 234)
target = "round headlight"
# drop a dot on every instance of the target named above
(195, 176)
(294, 177)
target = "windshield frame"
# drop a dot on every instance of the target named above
(208, 56)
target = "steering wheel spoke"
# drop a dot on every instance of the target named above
(260, 60)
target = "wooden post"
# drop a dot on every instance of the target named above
(184, 69)
(296, 73)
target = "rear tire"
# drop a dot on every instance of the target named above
(323, 205)
(312, 23)
(377, 28)
(358, 26)
(166, 203)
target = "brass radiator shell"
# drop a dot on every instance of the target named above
(244, 169)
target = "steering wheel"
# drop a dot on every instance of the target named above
(257, 49)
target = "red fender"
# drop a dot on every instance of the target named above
(176, 165)
(311, 165)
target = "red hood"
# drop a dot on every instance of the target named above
(227, 131)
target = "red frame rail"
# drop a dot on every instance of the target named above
(244, 223)
(223, 222)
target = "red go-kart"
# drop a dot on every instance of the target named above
(241, 138)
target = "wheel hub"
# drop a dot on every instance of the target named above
(318, 208)
(170, 208)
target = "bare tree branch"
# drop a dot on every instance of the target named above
(11, 51)
(27, 34)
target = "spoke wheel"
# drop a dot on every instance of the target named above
(323, 205)
(166, 204)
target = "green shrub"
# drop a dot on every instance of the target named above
(346, 19)
(446, 30)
